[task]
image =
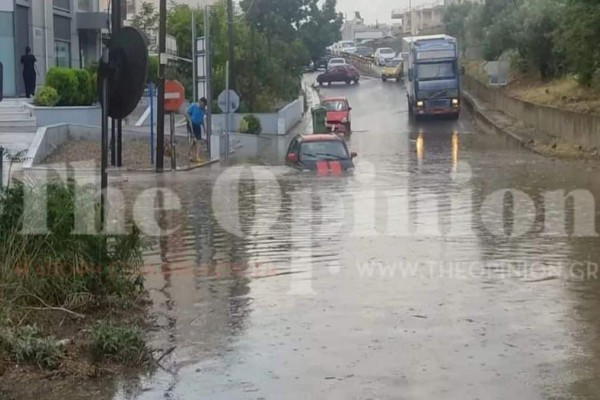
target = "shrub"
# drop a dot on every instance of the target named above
(59, 265)
(123, 344)
(84, 88)
(251, 124)
(65, 81)
(46, 96)
(27, 345)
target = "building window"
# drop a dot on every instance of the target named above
(63, 53)
(62, 4)
(86, 5)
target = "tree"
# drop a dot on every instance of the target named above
(146, 19)
(578, 36)
(455, 18)
(322, 28)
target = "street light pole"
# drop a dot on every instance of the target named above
(230, 39)
(162, 61)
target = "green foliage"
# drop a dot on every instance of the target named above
(64, 80)
(84, 94)
(46, 96)
(146, 19)
(52, 267)
(123, 344)
(153, 70)
(550, 37)
(75, 87)
(578, 37)
(250, 124)
(273, 41)
(26, 344)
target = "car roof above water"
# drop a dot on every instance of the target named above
(320, 137)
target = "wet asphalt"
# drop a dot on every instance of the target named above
(415, 277)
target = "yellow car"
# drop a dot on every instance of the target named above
(392, 70)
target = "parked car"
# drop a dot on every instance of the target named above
(338, 114)
(322, 63)
(343, 73)
(334, 62)
(383, 55)
(324, 153)
(347, 46)
(393, 69)
(364, 51)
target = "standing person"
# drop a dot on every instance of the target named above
(195, 116)
(29, 71)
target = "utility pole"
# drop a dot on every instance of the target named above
(162, 61)
(230, 38)
(194, 61)
(209, 94)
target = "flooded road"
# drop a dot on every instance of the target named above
(417, 277)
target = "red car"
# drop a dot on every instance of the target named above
(325, 153)
(342, 73)
(338, 114)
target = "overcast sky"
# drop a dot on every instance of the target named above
(372, 10)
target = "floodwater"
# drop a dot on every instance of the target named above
(416, 277)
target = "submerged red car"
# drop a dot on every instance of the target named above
(338, 114)
(326, 154)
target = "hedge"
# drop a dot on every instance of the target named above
(75, 87)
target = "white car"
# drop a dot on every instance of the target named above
(383, 55)
(348, 46)
(336, 62)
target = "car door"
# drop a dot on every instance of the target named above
(334, 74)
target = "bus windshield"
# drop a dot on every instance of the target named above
(434, 71)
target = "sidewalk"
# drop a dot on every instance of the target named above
(495, 121)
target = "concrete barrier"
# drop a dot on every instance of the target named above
(46, 116)
(49, 138)
(277, 123)
(577, 128)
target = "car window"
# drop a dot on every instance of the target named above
(323, 150)
(335, 105)
(293, 146)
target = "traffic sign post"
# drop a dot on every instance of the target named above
(174, 98)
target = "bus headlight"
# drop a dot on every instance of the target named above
(420, 103)
(454, 102)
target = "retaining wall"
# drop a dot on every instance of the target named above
(578, 128)
(45, 116)
(279, 123)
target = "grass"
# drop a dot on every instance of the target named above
(565, 93)
(55, 285)
(123, 344)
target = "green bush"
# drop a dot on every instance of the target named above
(65, 81)
(123, 344)
(84, 88)
(251, 124)
(46, 96)
(58, 266)
(26, 344)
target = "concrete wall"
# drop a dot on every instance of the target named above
(67, 115)
(577, 128)
(280, 123)
(48, 138)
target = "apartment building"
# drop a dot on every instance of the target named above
(64, 33)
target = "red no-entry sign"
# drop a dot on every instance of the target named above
(174, 96)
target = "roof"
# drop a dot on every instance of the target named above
(428, 37)
(321, 137)
(333, 99)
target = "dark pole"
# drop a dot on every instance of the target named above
(160, 127)
(113, 154)
(104, 145)
(230, 39)
(120, 143)
(116, 142)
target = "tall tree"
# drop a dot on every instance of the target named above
(146, 19)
